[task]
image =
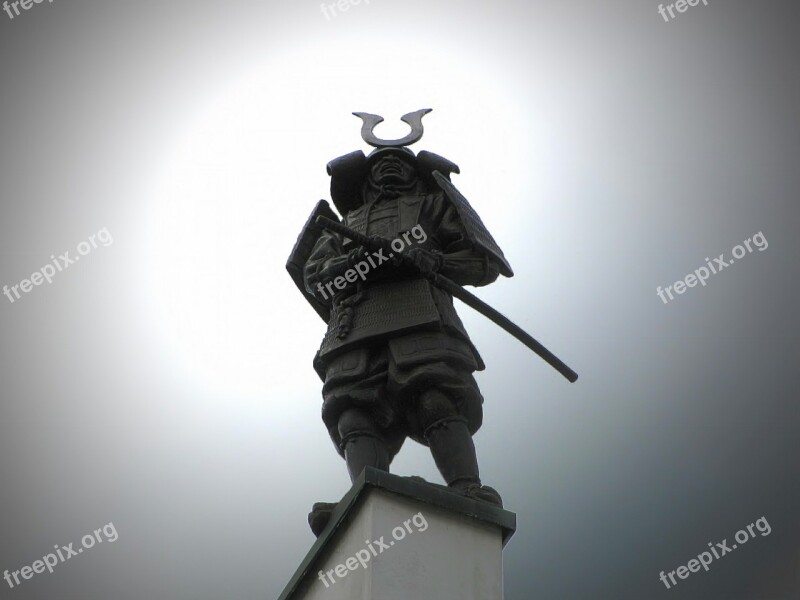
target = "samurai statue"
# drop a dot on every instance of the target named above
(396, 361)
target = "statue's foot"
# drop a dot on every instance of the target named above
(320, 515)
(476, 491)
(418, 479)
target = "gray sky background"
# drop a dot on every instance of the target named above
(164, 382)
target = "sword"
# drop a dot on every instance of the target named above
(455, 290)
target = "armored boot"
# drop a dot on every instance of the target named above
(363, 447)
(454, 453)
(320, 515)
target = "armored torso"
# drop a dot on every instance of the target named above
(387, 218)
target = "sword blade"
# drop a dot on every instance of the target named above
(468, 298)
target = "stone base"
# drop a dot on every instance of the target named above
(395, 538)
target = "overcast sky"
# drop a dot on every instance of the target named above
(163, 382)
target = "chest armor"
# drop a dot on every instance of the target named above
(388, 218)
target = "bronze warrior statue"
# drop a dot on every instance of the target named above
(396, 361)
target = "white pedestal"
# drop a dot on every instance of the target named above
(393, 538)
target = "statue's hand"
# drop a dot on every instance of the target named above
(380, 244)
(359, 259)
(426, 261)
(356, 255)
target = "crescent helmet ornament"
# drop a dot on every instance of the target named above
(413, 119)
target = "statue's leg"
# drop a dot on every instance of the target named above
(448, 438)
(451, 445)
(362, 444)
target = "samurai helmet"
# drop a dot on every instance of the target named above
(349, 172)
